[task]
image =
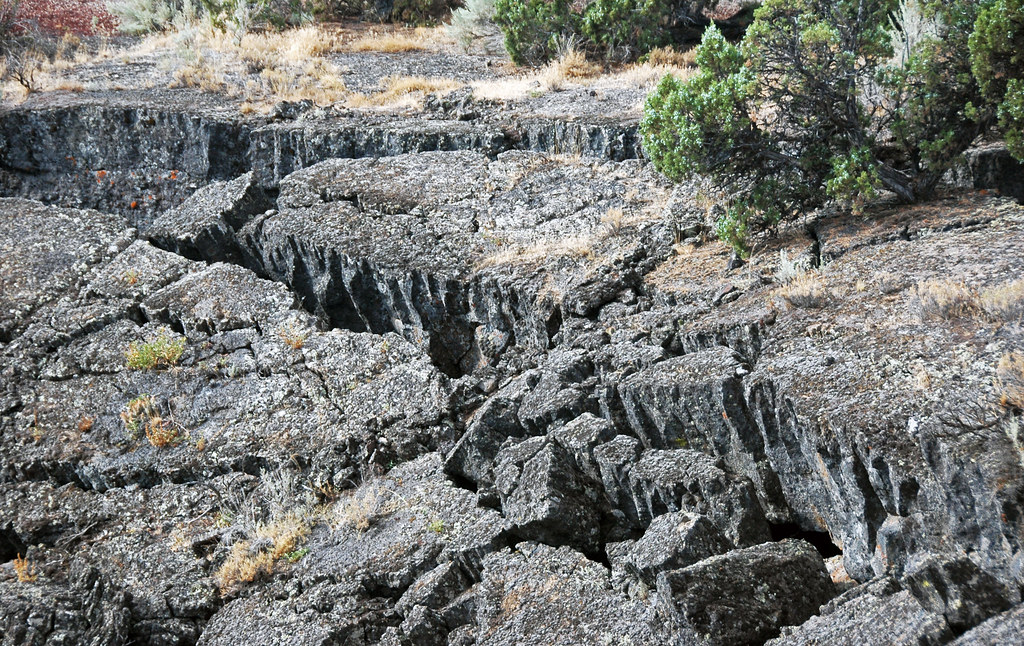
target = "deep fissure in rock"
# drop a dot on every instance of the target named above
(821, 541)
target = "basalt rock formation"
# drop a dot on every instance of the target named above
(437, 384)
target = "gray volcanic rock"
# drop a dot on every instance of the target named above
(684, 480)
(1001, 629)
(545, 498)
(204, 226)
(697, 401)
(581, 437)
(217, 299)
(539, 594)
(875, 614)
(673, 541)
(83, 610)
(534, 328)
(45, 251)
(745, 596)
(958, 589)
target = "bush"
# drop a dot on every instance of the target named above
(626, 29)
(23, 49)
(535, 29)
(997, 59)
(817, 103)
(141, 16)
(474, 24)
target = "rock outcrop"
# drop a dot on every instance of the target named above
(456, 397)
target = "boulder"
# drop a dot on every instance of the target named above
(671, 542)
(745, 596)
(874, 614)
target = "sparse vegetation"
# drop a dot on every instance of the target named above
(806, 291)
(85, 424)
(25, 570)
(391, 42)
(275, 519)
(945, 299)
(250, 559)
(791, 269)
(293, 337)
(163, 351)
(1010, 380)
(141, 417)
(581, 247)
(402, 88)
(364, 506)
(1004, 302)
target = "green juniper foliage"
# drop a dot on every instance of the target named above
(822, 99)
(614, 30)
(997, 59)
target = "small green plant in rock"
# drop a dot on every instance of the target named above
(160, 352)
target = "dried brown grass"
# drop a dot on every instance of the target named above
(361, 508)
(402, 89)
(25, 570)
(806, 291)
(669, 57)
(1010, 380)
(1004, 302)
(580, 247)
(245, 563)
(945, 299)
(391, 42)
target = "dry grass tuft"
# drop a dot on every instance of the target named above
(791, 269)
(1010, 380)
(805, 292)
(163, 351)
(669, 57)
(945, 299)
(572, 66)
(293, 337)
(142, 417)
(317, 81)
(25, 570)
(364, 506)
(391, 42)
(85, 424)
(398, 89)
(581, 247)
(1004, 302)
(202, 74)
(251, 559)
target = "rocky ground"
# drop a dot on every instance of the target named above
(474, 374)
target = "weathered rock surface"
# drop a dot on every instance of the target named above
(745, 596)
(467, 383)
(877, 613)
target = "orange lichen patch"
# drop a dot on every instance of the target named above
(100, 174)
